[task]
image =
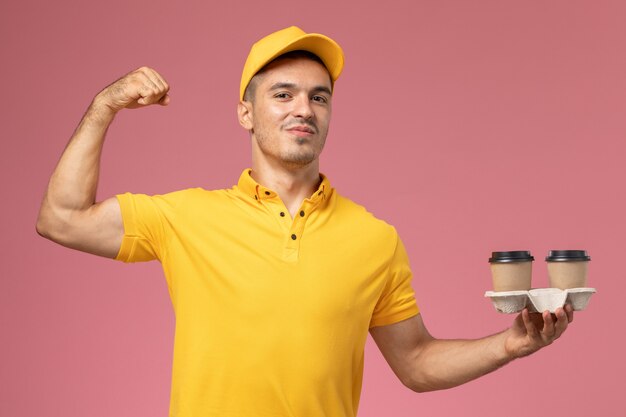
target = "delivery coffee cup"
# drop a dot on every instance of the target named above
(567, 268)
(511, 271)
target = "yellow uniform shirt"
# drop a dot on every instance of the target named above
(272, 313)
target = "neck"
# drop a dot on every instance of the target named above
(293, 184)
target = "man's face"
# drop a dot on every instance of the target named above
(291, 111)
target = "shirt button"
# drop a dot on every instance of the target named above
(302, 214)
(293, 237)
(267, 193)
(282, 214)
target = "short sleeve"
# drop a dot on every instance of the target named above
(145, 227)
(397, 300)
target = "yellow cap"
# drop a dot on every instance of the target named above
(287, 40)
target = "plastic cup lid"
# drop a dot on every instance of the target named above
(567, 255)
(511, 256)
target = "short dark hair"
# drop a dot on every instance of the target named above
(250, 92)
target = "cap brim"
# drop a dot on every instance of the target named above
(322, 46)
(325, 48)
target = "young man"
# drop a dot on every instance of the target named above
(275, 282)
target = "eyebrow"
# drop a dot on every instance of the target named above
(319, 88)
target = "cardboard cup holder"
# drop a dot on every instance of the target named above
(540, 299)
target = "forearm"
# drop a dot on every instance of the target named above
(443, 364)
(69, 214)
(73, 184)
(424, 363)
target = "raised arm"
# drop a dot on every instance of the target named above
(424, 363)
(69, 214)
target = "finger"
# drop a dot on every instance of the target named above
(547, 331)
(165, 100)
(561, 322)
(144, 75)
(150, 95)
(531, 330)
(164, 83)
(569, 310)
(548, 326)
(149, 92)
(156, 79)
(151, 88)
(163, 86)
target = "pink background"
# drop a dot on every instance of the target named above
(471, 126)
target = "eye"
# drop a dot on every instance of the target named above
(320, 99)
(282, 95)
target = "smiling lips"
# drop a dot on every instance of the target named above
(301, 130)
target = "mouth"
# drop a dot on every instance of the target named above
(301, 130)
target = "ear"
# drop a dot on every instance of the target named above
(245, 115)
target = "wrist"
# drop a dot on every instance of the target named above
(501, 350)
(100, 110)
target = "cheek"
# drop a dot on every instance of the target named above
(268, 117)
(276, 114)
(324, 120)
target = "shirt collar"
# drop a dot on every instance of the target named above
(256, 191)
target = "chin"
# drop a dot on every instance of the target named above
(299, 160)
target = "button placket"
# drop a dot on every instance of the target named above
(277, 210)
(295, 234)
(292, 227)
(297, 228)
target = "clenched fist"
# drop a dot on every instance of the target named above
(139, 88)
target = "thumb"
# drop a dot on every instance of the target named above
(165, 100)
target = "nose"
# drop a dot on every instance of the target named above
(302, 107)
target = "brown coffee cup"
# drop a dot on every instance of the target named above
(511, 271)
(568, 268)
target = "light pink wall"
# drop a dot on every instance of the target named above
(471, 126)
